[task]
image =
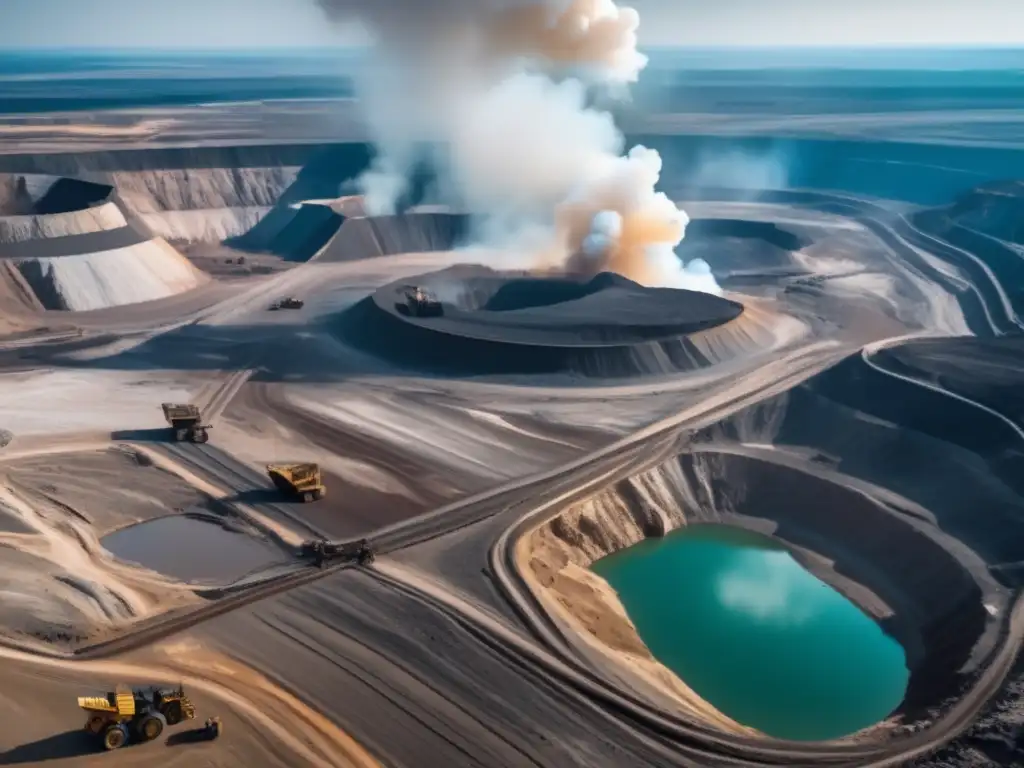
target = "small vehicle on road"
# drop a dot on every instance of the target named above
(420, 302)
(321, 551)
(289, 302)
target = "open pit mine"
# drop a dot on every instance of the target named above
(404, 514)
(455, 412)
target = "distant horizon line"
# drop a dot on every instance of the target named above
(722, 48)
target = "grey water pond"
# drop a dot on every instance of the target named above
(756, 635)
(191, 548)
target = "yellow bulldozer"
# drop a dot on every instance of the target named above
(298, 480)
(141, 714)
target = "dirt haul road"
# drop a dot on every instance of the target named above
(399, 661)
(696, 742)
(40, 721)
(692, 744)
(429, 526)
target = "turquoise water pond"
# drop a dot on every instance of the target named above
(756, 635)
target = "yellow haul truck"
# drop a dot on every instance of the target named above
(187, 422)
(140, 714)
(301, 480)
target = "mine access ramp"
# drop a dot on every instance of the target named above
(187, 422)
(321, 551)
(298, 480)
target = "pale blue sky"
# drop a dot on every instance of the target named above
(290, 23)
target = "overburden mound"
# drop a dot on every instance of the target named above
(505, 323)
(66, 244)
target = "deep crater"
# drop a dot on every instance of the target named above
(913, 521)
(500, 322)
(897, 568)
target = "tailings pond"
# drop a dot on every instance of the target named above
(756, 635)
(191, 548)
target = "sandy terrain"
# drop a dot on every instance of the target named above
(64, 587)
(145, 272)
(556, 557)
(81, 401)
(21, 305)
(107, 489)
(33, 227)
(229, 124)
(414, 681)
(324, 120)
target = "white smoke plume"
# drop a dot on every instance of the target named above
(519, 148)
(605, 231)
(618, 221)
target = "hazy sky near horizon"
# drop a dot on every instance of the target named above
(706, 23)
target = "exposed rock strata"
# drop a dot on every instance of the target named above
(557, 558)
(894, 566)
(17, 229)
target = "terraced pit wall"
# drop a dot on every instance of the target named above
(201, 194)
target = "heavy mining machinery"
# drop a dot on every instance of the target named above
(187, 422)
(320, 551)
(421, 303)
(139, 714)
(288, 303)
(298, 480)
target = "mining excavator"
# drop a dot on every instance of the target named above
(421, 303)
(320, 551)
(187, 422)
(140, 714)
(298, 480)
